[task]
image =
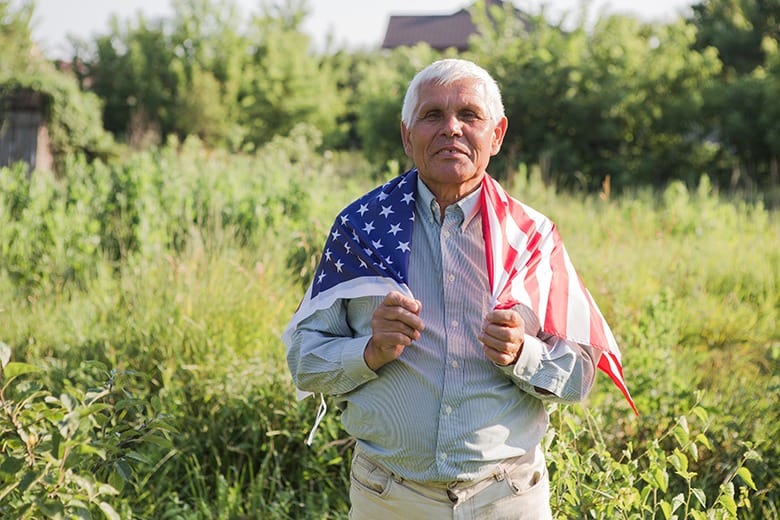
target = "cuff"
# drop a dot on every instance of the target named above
(354, 362)
(530, 360)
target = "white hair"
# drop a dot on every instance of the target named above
(445, 72)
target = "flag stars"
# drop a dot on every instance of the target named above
(320, 277)
(344, 220)
(335, 235)
(408, 198)
(328, 254)
(377, 244)
(339, 265)
(387, 211)
(403, 246)
(382, 196)
(363, 209)
(395, 229)
(369, 227)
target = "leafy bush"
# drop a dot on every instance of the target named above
(69, 454)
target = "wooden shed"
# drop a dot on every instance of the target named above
(24, 135)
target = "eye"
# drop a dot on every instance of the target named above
(469, 115)
(431, 115)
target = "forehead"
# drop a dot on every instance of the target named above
(470, 92)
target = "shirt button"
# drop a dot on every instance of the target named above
(448, 409)
(443, 456)
(451, 277)
(454, 364)
(455, 323)
(446, 234)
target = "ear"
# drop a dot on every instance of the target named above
(498, 135)
(407, 140)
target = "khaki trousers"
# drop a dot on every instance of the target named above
(519, 489)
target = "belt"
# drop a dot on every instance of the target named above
(456, 490)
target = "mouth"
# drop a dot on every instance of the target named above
(450, 151)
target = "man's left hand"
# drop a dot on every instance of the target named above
(502, 336)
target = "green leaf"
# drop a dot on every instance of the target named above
(677, 501)
(15, 369)
(745, 475)
(728, 503)
(679, 461)
(701, 413)
(700, 496)
(11, 465)
(116, 480)
(109, 511)
(702, 439)
(666, 507)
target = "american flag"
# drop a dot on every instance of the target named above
(367, 254)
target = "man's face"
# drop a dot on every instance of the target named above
(451, 136)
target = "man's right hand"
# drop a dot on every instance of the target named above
(395, 325)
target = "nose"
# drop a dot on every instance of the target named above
(452, 126)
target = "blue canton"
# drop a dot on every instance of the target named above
(371, 237)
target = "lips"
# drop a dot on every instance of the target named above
(451, 150)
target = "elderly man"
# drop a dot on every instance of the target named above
(426, 321)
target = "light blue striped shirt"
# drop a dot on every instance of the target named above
(442, 411)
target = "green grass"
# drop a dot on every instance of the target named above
(165, 282)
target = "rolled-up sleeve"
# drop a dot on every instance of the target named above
(552, 368)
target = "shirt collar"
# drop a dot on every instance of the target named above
(469, 204)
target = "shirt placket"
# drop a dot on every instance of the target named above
(454, 331)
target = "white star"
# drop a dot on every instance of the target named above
(367, 251)
(320, 277)
(386, 211)
(335, 235)
(347, 248)
(395, 228)
(403, 246)
(369, 227)
(408, 197)
(377, 244)
(363, 264)
(339, 264)
(363, 209)
(327, 254)
(389, 261)
(354, 236)
(382, 196)
(344, 220)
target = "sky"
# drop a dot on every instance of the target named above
(351, 23)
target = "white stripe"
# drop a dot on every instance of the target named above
(578, 307)
(499, 275)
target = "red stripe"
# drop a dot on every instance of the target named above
(558, 302)
(617, 378)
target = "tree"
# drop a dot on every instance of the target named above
(618, 100)
(737, 28)
(16, 46)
